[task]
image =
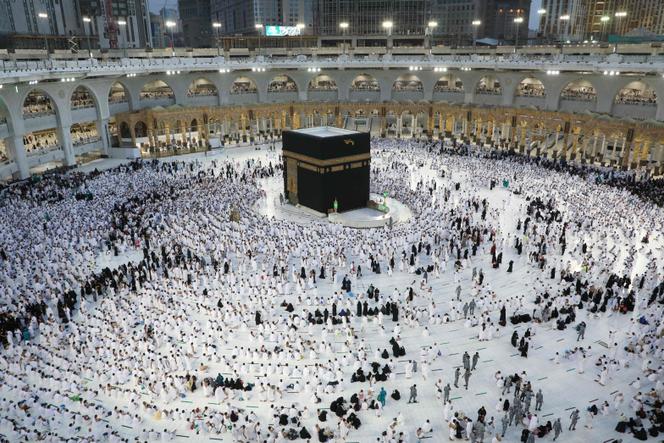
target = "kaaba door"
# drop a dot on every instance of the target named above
(291, 185)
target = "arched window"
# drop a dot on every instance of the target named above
(38, 104)
(579, 90)
(282, 83)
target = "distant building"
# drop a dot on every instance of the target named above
(196, 19)
(22, 27)
(455, 20)
(160, 33)
(365, 17)
(136, 33)
(240, 17)
(498, 20)
(579, 20)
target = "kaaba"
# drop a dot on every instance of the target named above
(325, 165)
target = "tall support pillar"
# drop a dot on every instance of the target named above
(64, 136)
(16, 150)
(104, 134)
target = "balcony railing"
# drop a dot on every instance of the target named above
(201, 60)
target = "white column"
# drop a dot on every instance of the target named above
(102, 130)
(17, 152)
(64, 137)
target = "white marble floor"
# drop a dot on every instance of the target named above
(562, 386)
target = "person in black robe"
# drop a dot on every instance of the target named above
(359, 308)
(514, 339)
(258, 318)
(524, 349)
(395, 313)
(510, 266)
(503, 317)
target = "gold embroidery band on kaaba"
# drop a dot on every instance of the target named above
(328, 162)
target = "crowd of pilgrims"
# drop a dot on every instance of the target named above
(132, 304)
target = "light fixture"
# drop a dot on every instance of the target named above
(258, 26)
(387, 24)
(42, 15)
(564, 17)
(300, 26)
(438, 69)
(224, 71)
(87, 19)
(552, 72)
(170, 24)
(605, 18)
(343, 25)
(621, 14)
(476, 22)
(216, 25)
(122, 22)
(518, 20)
(432, 24)
(541, 11)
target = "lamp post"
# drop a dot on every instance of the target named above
(431, 26)
(122, 24)
(89, 21)
(44, 16)
(216, 26)
(387, 26)
(476, 24)
(604, 19)
(541, 13)
(517, 22)
(564, 19)
(618, 15)
(300, 27)
(170, 25)
(344, 29)
(259, 29)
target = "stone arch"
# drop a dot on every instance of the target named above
(579, 90)
(322, 82)
(531, 87)
(282, 83)
(82, 97)
(365, 82)
(448, 83)
(409, 83)
(636, 92)
(193, 126)
(38, 103)
(488, 85)
(202, 87)
(124, 130)
(140, 129)
(155, 90)
(243, 85)
(118, 93)
(84, 133)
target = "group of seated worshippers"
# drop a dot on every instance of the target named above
(540, 431)
(341, 408)
(231, 383)
(363, 310)
(292, 421)
(636, 425)
(377, 373)
(397, 350)
(319, 318)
